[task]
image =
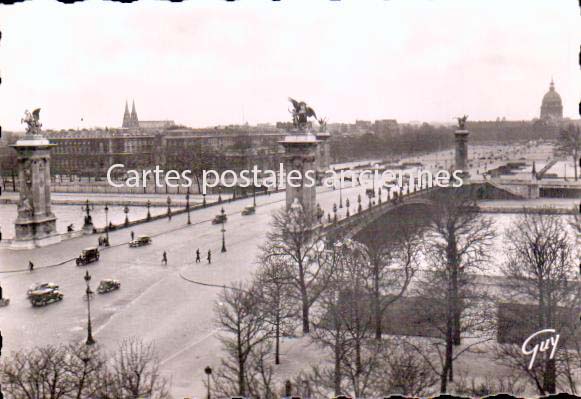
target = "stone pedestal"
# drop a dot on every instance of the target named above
(301, 155)
(461, 155)
(35, 225)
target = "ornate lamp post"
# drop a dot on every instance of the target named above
(107, 225)
(223, 232)
(88, 225)
(90, 340)
(126, 211)
(340, 193)
(208, 371)
(188, 205)
(168, 201)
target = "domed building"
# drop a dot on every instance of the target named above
(552, 106)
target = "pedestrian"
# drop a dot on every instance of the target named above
(30, 265)
(198, 260)
(164, 258)
(132, 235)
(209, 256)
(0, 292)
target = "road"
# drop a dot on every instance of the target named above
(162, 304)
(155, 301)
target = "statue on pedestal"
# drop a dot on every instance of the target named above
(32, 120)
(322, 125)
(462, 122)
(301, 112)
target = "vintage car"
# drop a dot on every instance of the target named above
(220, 218)
(140, 241)
(41, 286)
(88, 255)
(108, 285)
(45, 296)
(248, 210)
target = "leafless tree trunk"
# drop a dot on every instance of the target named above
(244, 327)
(295, 241)
(273, 284)
(541, 270)
(457, 243)
(392, 269)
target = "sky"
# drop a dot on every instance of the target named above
(210, 62)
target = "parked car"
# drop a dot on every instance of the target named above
(88, 255)
(248, 210)
(108, 285)
(41, 286)
(220, 218)
(45, 296)
(140, 241)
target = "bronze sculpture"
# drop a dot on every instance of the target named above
(301, 112)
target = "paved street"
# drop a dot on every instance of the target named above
(164, 304)
(155, 301)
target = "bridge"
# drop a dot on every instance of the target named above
(349, 226)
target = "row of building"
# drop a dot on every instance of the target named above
(144, 144)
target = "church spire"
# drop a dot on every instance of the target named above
(552, 86)
(134, 120)
(126, 117)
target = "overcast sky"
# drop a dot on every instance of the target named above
(203, 63)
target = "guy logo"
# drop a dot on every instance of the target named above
(542, 346)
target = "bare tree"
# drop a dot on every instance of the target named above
(77, 372)
(258, 374)
(294, 239)
(51, 372)
(540, 271)
(133, 373)
(244, 328)
(392, 267)
(400, 370)
(570, 145)
(457, 244)
(273, 284)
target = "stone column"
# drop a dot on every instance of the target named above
(35, 225)
(323, 154)
(461, 156)
(300, 156)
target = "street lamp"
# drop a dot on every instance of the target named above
(223, 231)
(148, 206)
(204, 200)
(208, 371)
(88, 220)
(168, 201)
(188, 205)
(341, 193)
(90, 340)
(107, 225)
(126, 211)
(220, 194)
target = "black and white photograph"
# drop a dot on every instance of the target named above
(294, 199)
